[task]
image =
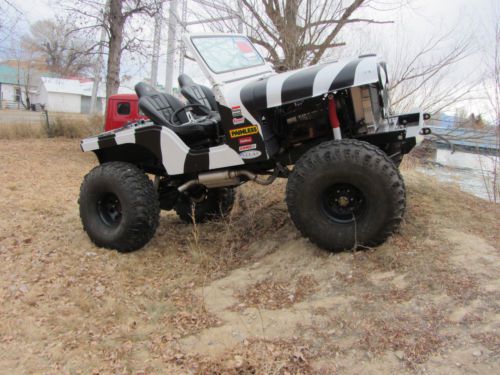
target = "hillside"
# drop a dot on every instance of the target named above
(247, 295)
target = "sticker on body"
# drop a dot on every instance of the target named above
(252, 154)
(248, 147)
(242, 132)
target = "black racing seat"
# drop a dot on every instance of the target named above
(198, 94)
(160, 108)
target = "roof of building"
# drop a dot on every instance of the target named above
(71, 86)
(13, 74)
(9, 75)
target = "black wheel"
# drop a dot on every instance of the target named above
(211, 204)
(119, 206)
(343, 194)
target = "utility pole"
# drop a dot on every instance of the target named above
(183, 47)
(171, 45)
(156, 45)
(98, 66)
(240, 17)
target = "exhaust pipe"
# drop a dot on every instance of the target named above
(226, 178)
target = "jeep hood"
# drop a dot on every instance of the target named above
(310, 82)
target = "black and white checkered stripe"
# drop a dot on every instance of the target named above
(176, 157)
(305, 83)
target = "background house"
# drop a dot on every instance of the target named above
(15, 84)
(68, 95)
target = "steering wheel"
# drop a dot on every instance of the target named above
(192, 119)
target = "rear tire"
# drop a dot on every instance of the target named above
(119, 206)
(217, 203)
(346, 194)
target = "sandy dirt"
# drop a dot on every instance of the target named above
(247, 295)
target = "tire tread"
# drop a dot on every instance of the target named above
(362, 153)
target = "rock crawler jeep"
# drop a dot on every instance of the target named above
(331, 122)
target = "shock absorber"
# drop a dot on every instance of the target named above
(334, 119)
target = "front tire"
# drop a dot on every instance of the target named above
(346, 194)
(119, 206)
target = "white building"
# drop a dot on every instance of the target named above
(68, 95)
(14, 86)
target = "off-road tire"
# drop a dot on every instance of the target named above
(126, 186)
(217, 204)
(373, 182)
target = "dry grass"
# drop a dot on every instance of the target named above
(18, 131)
(272, 294)
(78, 127)
(261, 357)
(416, 337)
(59, 125)
(422, 302)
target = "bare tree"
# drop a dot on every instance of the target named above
(25, 79)
(9, 18)
(492, 88)
(28, 70)
(122, 33)
(294, 33)
(65, 51)
(420, 74)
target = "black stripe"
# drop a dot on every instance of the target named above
(300, 85)
(106, 140)
(150, 138)
(197, 160)
(345, 78)
(253, 97)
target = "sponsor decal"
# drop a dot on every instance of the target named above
(245, 140)
(242, 132)
(236, 111)
(252, 154)
(244, 46)
(238, 121)
(248, 147)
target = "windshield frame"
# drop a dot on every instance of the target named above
(226, 36)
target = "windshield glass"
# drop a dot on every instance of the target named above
(226, 53)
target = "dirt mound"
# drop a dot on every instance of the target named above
(246, 295)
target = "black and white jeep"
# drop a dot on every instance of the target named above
(327, 128)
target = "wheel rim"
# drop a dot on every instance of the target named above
(343, 203)
(109, 209)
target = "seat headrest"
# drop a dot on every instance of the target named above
(185, 80)
(145, 89)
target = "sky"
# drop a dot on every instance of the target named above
(413, 24)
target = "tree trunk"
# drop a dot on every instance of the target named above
(293, 55)
(116, 25)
